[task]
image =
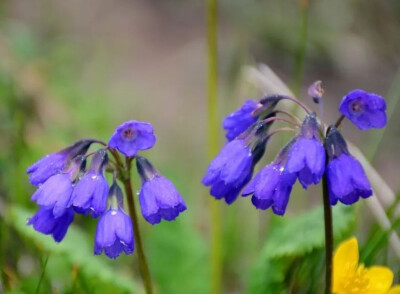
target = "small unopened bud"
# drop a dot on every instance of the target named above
(267, 103)
(316, 92)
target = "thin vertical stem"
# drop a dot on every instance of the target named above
(144, 268)
(301, 53)
(212, 105)
(42, 274)
(328, 236)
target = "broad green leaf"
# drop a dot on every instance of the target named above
(77, 248)
(178, 258)
(289, 240)
(296, 236)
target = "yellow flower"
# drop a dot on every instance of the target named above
(351, 278)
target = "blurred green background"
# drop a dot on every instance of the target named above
(73, 69)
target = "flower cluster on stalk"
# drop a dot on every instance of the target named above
(66, 187)
(315, 150)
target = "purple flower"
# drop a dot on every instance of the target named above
(114, 234)
(365, 110)
(52, 164)
(271, 187)
(56, 192)
(346, 177)
(230, 170)
(158, 197)
(240, 120)
(90, 193)
(306, 157)
(132, 136)
(45, 222)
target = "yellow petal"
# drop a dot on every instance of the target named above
(380, 279)
(394, 290)
(345, 262)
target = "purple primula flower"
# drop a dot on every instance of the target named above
(54, 163)
(271, 187)
(158, 197)
(346, 177)
(132, 136)
(240, 120)
(45, 222)
(365, 110)
(56, 192)
(306, 157)
(114, 232)
(230, 170)
(90, 193)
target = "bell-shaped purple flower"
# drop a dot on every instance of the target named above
(158, 197)
(56, 192)
(347, 180)
(114, 232)
(230, 170)
(132, 136)
(240, 120)
(45, 222)
(90, 193)
(306, 157)
(272, 185)
(54, 163)
(365, 110)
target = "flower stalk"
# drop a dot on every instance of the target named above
(328, 233)
(144, 268)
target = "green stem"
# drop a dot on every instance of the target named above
(212, 103)
(144, 268)
(301, 53)
(42, 274)
(328, 235)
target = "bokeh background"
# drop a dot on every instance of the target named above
(73, 69)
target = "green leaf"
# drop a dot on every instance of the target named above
(289, 239)
(178, 257)
(296, 236)
(77, 248)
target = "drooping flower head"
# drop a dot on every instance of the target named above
(272, 185)
(346, 177)
(365, 110)
(45, 222)
(240, 120)
(350, 277)
(90, 193)
(158, 197)
(114, 232)
(306, 157)
(132, 136)
(55, 193)
(232, 168)
(54, 163)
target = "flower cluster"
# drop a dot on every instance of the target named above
(65, 187)
(314, 151)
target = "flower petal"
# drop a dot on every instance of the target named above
(380, 279)
(345, 262)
